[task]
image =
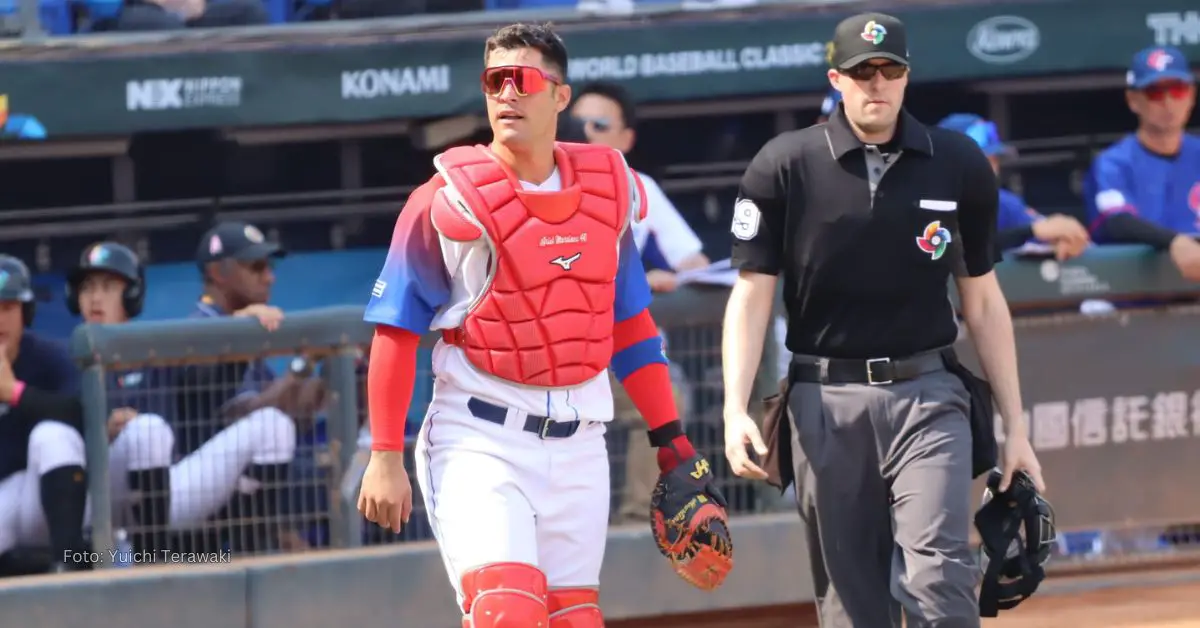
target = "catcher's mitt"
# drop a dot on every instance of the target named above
(690, 526)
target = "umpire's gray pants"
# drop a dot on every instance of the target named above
(884, 485)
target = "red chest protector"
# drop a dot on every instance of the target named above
(545, 315)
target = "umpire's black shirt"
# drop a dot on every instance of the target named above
(866, 267)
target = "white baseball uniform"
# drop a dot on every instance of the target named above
(205, 480)
(52, 444)
(493, 491)
(201, 483)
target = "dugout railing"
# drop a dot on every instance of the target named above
(319, 509)
(1113, 401)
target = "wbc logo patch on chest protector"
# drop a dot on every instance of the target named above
(934, 240)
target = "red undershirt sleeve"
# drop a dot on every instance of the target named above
(391, 374)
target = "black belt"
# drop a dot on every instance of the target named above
(874, 371)
(543, 426)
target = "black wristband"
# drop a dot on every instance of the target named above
(662, 435)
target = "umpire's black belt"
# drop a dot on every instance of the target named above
(543, 426)
(873, 371)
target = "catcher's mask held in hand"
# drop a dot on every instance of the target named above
(690, 525)
(1017, 534)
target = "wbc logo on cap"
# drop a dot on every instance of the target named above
(97, 255)
(874, 32)
(1158, 60)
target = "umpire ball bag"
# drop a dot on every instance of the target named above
(1017, 534)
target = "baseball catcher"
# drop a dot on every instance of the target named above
(519, 254)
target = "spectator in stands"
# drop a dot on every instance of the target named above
(374, 9)
(165, 15)
(1145, 189)
(609, 118)
(1017, 222)
(235, 261)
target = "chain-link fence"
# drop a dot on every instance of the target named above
(252, 474)
(215, 439)
(224, 453)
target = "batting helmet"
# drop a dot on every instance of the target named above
(16, 284)
(114, 258)
(1017, 534)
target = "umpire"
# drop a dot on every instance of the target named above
(867, 216)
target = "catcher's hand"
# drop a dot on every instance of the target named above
(690, 526)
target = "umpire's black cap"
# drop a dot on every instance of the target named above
(236, 240)
(868, 36)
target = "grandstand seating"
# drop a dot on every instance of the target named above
(58, 16)
(55, 16)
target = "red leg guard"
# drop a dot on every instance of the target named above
(575, 608)
(505, 595)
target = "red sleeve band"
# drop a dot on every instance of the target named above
(633, 330)
(647, 381)
(391, 374)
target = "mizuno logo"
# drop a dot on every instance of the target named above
(565, 262)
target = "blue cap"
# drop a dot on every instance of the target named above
(982, 131)
(1158, 63)
(830, 103)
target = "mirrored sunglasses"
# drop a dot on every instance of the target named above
(525, 80)
(1177, 90)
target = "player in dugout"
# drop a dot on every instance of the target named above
(1145, 188)
(43, 481)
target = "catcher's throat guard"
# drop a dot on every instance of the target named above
(690, 525)
(1017, 534)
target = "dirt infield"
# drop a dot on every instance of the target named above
(1134, 600)
(1176, 606)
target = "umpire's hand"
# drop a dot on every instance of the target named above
(740, 431)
